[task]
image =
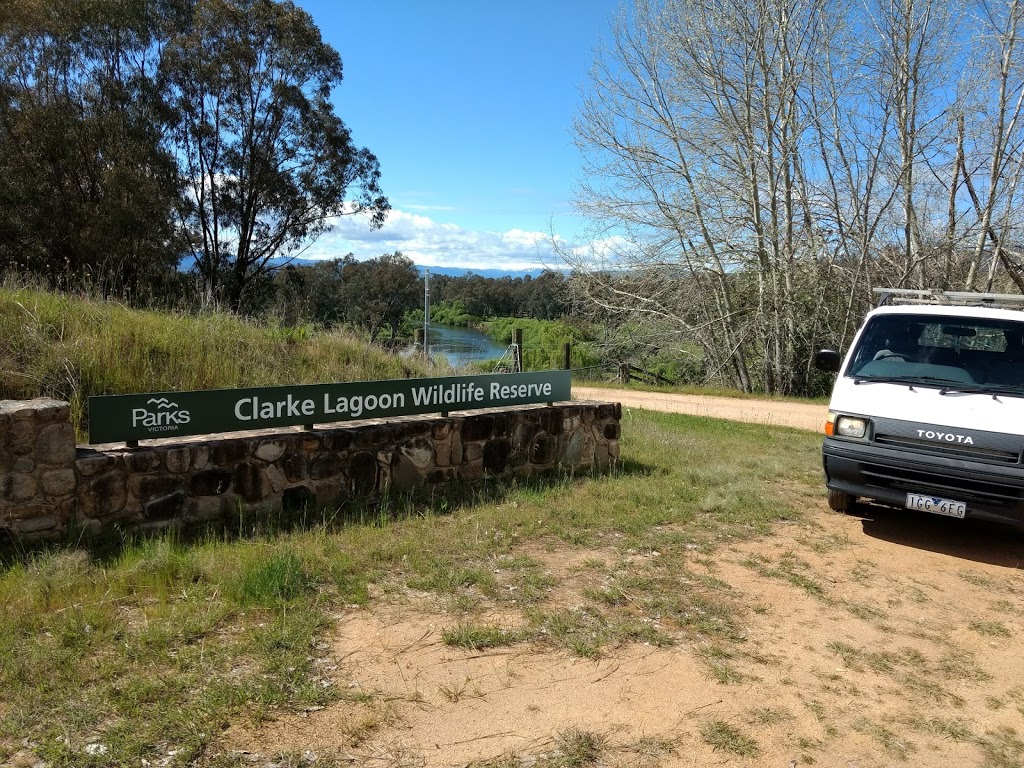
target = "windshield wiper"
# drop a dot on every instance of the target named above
(882, 380)
(983, 389)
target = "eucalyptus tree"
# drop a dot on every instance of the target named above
(267, 163)
(87, 191)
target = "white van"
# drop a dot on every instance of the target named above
(927, 412)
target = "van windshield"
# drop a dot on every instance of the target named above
(956, 353)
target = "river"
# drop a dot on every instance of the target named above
(462, 346)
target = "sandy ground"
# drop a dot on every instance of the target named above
(879, 639)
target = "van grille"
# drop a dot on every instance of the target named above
(949, 450)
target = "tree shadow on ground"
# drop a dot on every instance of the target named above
(976, 540)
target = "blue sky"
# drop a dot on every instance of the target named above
(468, 107)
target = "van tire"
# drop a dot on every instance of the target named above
(841, 501)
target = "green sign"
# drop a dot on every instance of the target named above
(117, 418)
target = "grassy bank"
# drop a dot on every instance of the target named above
(70, 348)
(150, 653)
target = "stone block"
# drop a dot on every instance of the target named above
(457, 452)
(523, 434)
(178, 460)
(58, 482)
(612, 431)
(270, 451)
(93, 462)
(496, 454)
(230, 452)
(543, 449)
(363, 473)
(146, 487)
(477, 428)
(36, 524)
(326, 493)
(165, 507)
(441, 430)
(472, 452)
(338, 440)
(104, 495)
(250, 483)
(21, 437)
(209, 482)
(443, 452)
(142, 460)
(404, 474)
(56, 445)
(277, 479)
(324, 465)
(47, 411)
(23, 464)
(205, 509)
(419, 451)
(296, 467)
(300, 497)
(472, 471)
(578, 450)
(200, 457)
(18, 487)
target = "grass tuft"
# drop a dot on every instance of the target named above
(722, 736)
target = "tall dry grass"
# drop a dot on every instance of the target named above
(70, 347)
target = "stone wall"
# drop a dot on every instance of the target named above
(49, 487)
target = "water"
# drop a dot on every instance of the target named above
(463, 346)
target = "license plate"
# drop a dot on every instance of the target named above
(935, 505)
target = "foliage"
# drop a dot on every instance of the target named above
(543, 341)
(544, 297)
(267, 161)
(87, 190)
(134, 133)
(452, 313)
(370, 295)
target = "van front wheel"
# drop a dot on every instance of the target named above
(840, 501)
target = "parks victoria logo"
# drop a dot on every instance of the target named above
(116, 418)
(165, 416)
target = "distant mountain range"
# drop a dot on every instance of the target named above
(187, 262)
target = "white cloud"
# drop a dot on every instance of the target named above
(436, 244)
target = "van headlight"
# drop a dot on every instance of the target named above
(851, 426)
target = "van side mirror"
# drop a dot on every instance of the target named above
(828, 360)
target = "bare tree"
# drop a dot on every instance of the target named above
(695, 139)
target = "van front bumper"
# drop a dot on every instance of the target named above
(887, 475)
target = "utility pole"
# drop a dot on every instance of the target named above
(426, 313)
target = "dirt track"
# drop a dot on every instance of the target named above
(799, 415)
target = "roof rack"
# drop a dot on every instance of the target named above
(951, 298)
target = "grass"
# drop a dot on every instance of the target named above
(727, 738)
(69, 348)
(158, 645)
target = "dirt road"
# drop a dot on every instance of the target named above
(799, 415)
